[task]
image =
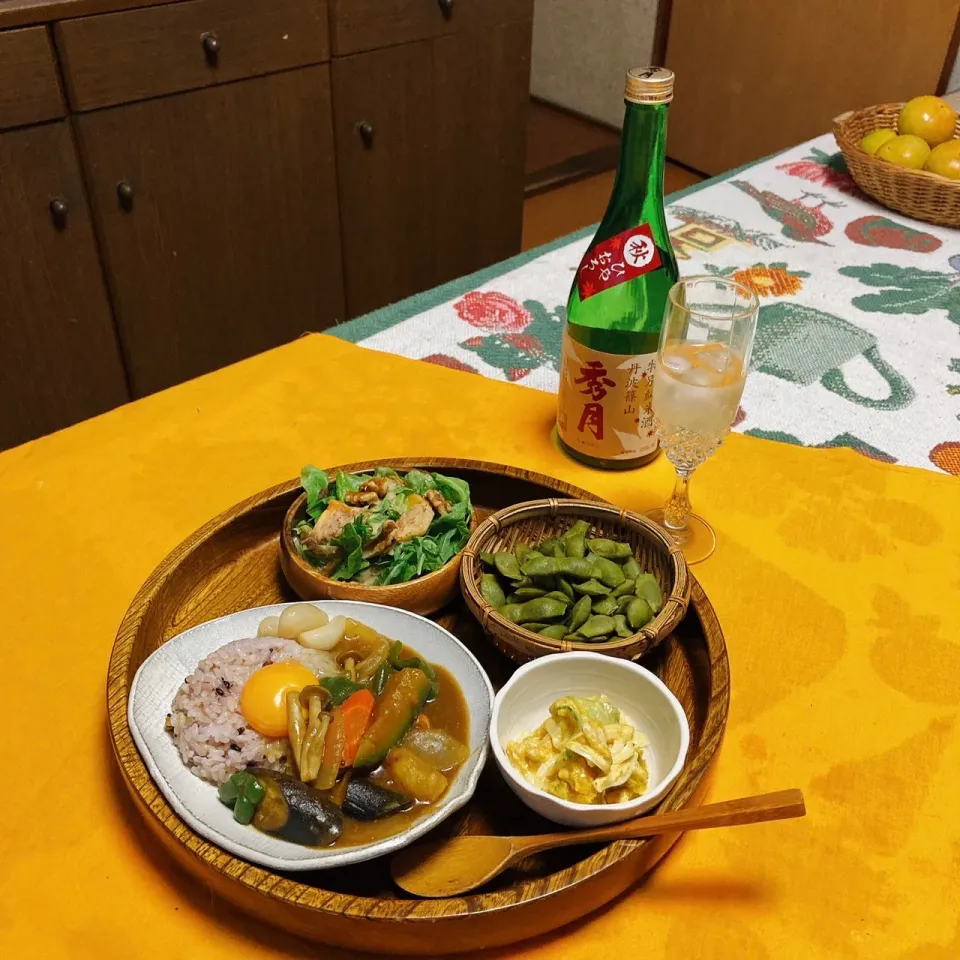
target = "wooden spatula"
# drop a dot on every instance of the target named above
(447, 868)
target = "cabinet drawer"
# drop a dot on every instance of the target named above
(29, 89)
(137, 54)
(358, 25)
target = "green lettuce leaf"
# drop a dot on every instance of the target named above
(315, 483)
(351, 543)
(347, 483)
(419, 482)
(453, 488)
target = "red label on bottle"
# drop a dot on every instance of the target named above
(617, 260)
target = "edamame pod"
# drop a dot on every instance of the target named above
(579, 613)
(592, 588)
(491, 591)
(611, 549)
(639, 613)
(648, 588)
(507, 566)
(597, 627)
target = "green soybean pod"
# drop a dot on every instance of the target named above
(605, 605)
(542, 608)
(575, 546)
(625, 601)
(639, 613)
(487, 559)
(623, 630)
(511, 611)
(648, 588)
(580, 613)
(559, 595)
(598, 626)
(521, 551)
(539, 566)
(580, 568)
(491, 591)
(552, 548)
(577, 529)
(607, 572)
(536, 626)
(507, 566)
(627, 587)
(611, 549)
(528, 593)
(564, 587)
(631, 569)
(556, 631)
(592, 588)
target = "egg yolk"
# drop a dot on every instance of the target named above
(263, 698)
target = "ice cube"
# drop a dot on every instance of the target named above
(676, 363)
(713, 358)
(700, 377)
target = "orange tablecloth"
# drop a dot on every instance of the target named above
(837, 582)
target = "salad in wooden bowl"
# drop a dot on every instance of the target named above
(381, 537)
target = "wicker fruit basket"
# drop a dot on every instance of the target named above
(917, 193)
(538, 519)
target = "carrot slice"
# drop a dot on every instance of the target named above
(357, 711)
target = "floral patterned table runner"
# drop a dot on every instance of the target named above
(857, 342)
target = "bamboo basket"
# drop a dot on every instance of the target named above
(534, 521)
(917, 193)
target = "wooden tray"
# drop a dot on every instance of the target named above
(233, 563)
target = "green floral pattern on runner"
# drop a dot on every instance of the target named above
(908, 289)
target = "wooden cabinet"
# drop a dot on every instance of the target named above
(430, 157)
(251, 170)
(61, 362)
(218, 217)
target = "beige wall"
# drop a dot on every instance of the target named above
(582, 48)
(954, 82)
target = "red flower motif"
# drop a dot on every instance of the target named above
(493, 311)
(526, 342)
(452, 363)
(947, 457)
(516, 373)
(474, 342)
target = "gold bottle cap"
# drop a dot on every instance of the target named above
(649, 85)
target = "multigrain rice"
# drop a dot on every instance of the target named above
(208, 728)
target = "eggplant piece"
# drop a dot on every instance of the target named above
(366, 800)
(295, 811)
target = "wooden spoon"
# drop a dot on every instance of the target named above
(447, 868)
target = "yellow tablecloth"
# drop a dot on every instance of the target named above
(836, 580)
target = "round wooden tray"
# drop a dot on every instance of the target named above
(232, 563)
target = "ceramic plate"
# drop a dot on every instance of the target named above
(195, 800)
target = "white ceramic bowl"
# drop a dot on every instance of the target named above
(644, 701)
(195, 801)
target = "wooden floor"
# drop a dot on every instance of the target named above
(557, 141)
(548, 216)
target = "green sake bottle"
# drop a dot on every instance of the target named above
(617, 301)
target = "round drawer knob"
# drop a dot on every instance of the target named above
(211, 46)
(125, 194)
(58, 210)
(365, 130)
(446, 8)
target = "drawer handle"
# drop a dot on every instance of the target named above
(58, 210)
(365, 130)
(211, 47)
(446, 8)
(125, 194)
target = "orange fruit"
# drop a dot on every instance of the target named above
(873, 141)
(944, 160)
(929, 118)
(905, 151)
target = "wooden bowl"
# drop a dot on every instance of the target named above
(425, 595)
(917, 193)
(532, 522)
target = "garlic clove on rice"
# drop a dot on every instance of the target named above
(300, 617)
(325, 637)
(269, 627)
